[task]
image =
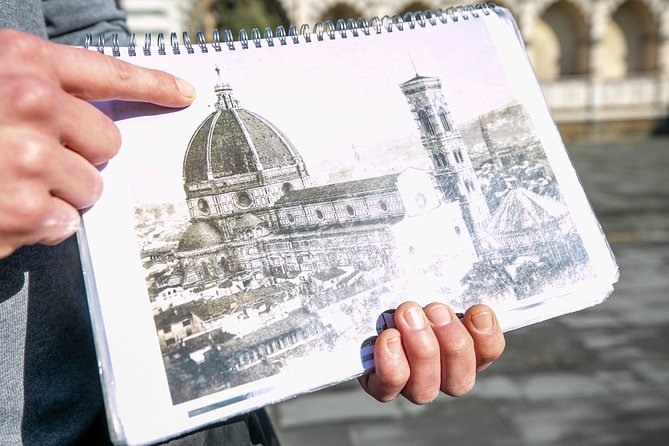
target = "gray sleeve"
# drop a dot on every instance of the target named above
(68, 21)
(23, 15)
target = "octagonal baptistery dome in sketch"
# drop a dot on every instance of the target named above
(237, 161)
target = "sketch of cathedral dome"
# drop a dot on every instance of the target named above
(238, 162)
(528, 224)
(235, 141)
(200, 235)
(522, 210)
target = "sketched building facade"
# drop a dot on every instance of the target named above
(255, 216)
(259, 231)
(254, 213)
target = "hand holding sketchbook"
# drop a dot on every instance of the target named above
(317, 181)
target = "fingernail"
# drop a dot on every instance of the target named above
(185, 88)
(439, 315)
(394, 345)
(414, 317)
(483, 321)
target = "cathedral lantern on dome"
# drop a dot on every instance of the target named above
(224, 97)
(452, 167)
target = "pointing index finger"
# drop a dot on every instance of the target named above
(96, 77)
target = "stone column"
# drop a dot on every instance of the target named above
(376, 8)
(296, 11)
(663, 56)
(598, 20)
(526, 16)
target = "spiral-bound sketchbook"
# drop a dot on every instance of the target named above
(246, 247)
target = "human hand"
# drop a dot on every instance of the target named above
(432, 351)
(51, 138)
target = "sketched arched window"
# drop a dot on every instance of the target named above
(445, 123)
(425, 122)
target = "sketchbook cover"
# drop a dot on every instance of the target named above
(246, 246)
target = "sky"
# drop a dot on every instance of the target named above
(325, 96)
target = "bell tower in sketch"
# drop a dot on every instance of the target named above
(452, 167)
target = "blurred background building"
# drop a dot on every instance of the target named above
(603, 64)
(166, 16)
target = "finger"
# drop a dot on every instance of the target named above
(77, 124)
(458, 359)
(34, 161)
(486, 332)
(42, 218)
(422, 351)
(391, 370)
(87, 131)
(93, 76)
(63, 221)
(74, 180)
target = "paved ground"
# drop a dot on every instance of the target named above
(598, 377)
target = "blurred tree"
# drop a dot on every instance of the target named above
(413, 7)
(340, 11)
(237, 14)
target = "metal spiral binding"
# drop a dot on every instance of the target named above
(281, 35)
(201, 41)
(217, 42)
(292, 32)
(161, 44)
(341, 29)
(147, 44)
(174, 41)
(187, 44)
(131, 46)
(305, 32)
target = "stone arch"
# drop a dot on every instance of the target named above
(583, 7)
(504, 4)
(630, 41)
(445, 122)
(560, 41)
(426, 123)
(204, 269)
(512, 5)
(223, 264)
(339, 10)
(655, 7)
